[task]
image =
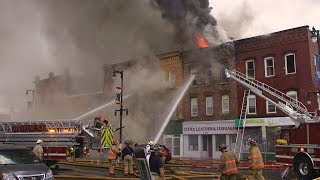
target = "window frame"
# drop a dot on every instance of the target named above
(170, 75)
(267, 108)
(191, 107)
(209, 97)
(266, 66)
(255, 103)
(286, 63)
(194, 71)
(318, 100)
(290, 93)
(254, 68)
(224, 97)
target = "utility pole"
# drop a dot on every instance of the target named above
(120, 101)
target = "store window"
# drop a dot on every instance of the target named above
(225, 104)
(193, 143)
(250, 72)
(269, 66)
(209, 106)
(220, 139)
(271, 108)
(204, 142)
(290, 63)
(252, 104)
(194, 106)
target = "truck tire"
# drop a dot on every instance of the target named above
(304, 169)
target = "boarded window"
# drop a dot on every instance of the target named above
(194, 107)
(209, 106)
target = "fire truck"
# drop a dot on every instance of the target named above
(61, 138)
(302, 148)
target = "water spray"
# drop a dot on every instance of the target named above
(99, 108)
(184, 90)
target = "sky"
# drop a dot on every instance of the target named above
(27, 38)
(246, 18)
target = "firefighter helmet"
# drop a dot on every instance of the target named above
(127, 142)
(222, 146)
(39, 141)
(253, 142)
(97, 117)
(114, 142)
(106, 119)
(151, 143)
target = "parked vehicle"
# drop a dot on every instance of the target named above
(19, 162)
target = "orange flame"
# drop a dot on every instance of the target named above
(201, 41)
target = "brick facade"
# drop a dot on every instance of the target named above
(277, 45)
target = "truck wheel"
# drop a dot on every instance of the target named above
(304, 169)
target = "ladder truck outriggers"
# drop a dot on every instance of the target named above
(302, 152)
(61, 138)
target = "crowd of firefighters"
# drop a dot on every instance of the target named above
(155, 158)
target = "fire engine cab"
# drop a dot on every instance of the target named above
(59, 137)
(299, 146)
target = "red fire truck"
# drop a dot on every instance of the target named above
(60, 137)
(302, 148)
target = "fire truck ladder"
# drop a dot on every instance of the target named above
(242, 122)
(290, 106)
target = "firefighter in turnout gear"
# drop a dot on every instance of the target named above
(255, 162)
(38, 150)
(228, 164)
(106, 135)
(127, 154)
(113, 152)
(97, 122)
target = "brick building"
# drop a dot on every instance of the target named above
(210, 105)
(284, 60)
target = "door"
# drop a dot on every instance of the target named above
(173, 143)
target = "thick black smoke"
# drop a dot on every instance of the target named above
(189, 17)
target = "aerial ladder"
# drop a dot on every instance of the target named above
(290, 106)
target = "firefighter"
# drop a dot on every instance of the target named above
(97, 122)
(127, 156)
(113, 152)
(38, 150)
(106, 135)
(228, 164)
(155, 164)
(255, 162)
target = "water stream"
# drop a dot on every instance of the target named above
(176, 103)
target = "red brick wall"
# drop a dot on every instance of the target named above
(277, 45)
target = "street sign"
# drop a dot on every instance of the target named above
(118, 95)
(264, 141)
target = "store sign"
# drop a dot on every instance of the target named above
(209, 128)
(269, 122)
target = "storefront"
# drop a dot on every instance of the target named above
(201, 139)
(265, 131)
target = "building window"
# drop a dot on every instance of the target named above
(220, 139)
(223, 77)
(194, 107)
(204, 142)
(209, 106)
(269, 67)
(252, 104)
(194, 72)
(225, 104)
(318, 100)
(172, 78)
(208, 76)
(293, 95)
(290, 63)
(250, 68)
(193, 143)
(271, 108)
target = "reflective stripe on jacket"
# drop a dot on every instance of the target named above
(38, 150)
(106, 137)
(112, 152)
(255, 158)
(228, 162)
